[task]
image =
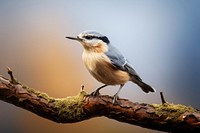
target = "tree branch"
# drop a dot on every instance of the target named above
(163, 117)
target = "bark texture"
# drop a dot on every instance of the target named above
(163, 117)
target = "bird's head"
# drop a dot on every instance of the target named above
(92, 41)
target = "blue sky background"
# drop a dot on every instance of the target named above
(160, 38)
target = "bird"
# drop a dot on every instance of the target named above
(107, 64)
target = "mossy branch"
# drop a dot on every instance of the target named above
(163, 117)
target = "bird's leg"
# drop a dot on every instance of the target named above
(115, 97)
(96, 92)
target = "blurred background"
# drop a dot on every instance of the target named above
(160, 38)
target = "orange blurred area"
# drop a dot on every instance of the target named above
(44, 59)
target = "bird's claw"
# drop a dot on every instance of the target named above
(115, 100)
(95, 93)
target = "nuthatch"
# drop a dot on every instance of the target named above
(106, 64)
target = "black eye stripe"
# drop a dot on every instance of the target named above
(103, 38)
(89, 37)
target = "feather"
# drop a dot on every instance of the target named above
(119, 61)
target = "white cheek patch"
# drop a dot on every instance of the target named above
(99, 42)
(93, 42)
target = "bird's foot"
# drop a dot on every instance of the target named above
(95, 93)
(115, 100)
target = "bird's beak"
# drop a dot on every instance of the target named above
(74, 38)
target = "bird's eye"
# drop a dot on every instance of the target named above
(88, 37)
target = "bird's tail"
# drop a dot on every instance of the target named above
(145, 87)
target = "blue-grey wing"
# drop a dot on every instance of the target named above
(119, 61)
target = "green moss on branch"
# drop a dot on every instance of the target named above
(71, 107)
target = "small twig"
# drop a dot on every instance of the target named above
(13, 80)
(162, 98)
(82, 87)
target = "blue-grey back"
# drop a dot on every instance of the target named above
(119, 61)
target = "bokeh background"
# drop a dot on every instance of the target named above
(160, 38)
